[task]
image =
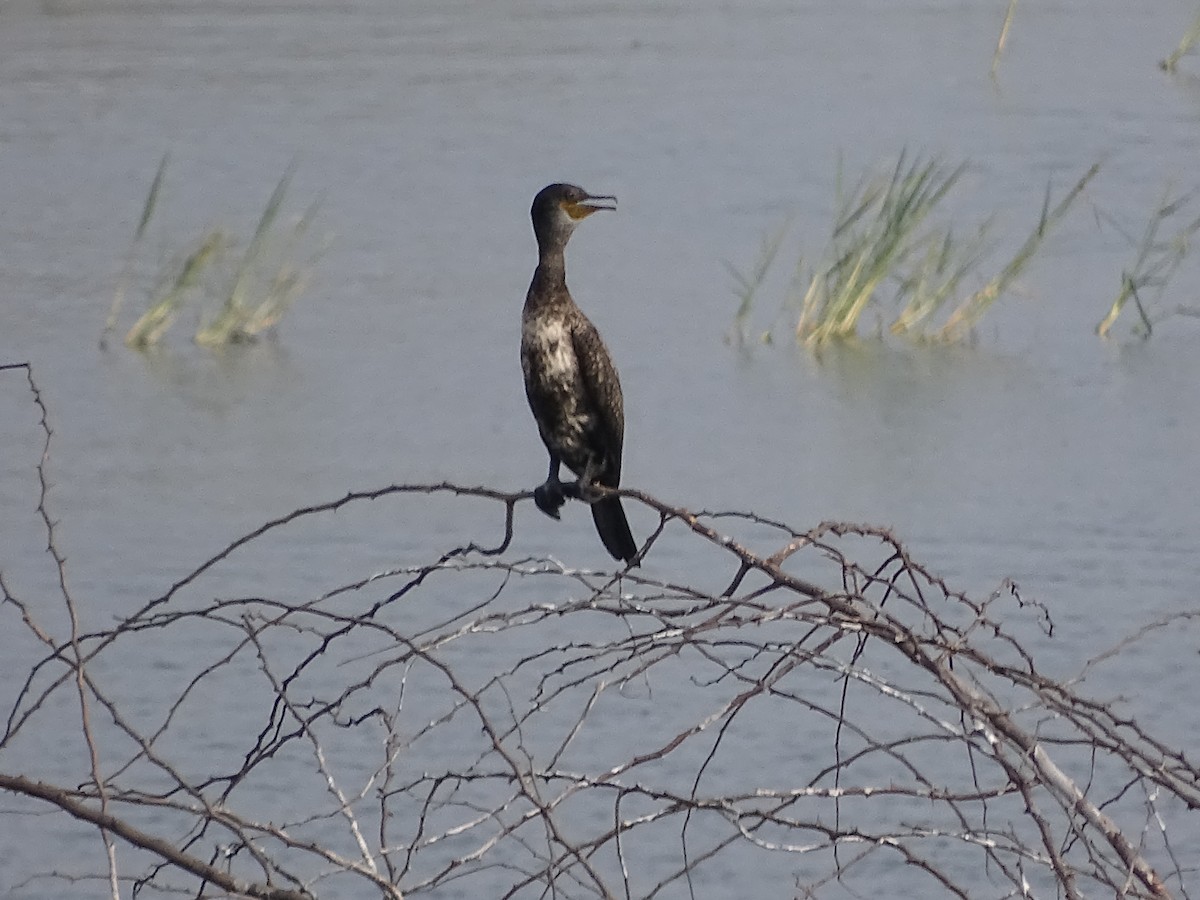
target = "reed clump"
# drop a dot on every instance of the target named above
(890, 253)
(1164, 244)
(240, 291)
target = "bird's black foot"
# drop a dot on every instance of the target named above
(550, 497)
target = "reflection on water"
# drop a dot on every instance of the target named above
(1039, 453)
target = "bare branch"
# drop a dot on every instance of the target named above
(756, 701)
(160, 847)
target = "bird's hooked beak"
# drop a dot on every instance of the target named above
(590, 204)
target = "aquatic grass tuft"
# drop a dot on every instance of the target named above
(960, 323)
(876, 231)
(150, 327)
(256, 287)
(266, 283)
(889, 253)
(139, 233)
(935, 279)
(1185, 46)
(1156, 262)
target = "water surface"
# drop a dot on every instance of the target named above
(1038, 453)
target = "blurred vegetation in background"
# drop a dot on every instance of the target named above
(890, 252)
(1162, 247)
(238, 289)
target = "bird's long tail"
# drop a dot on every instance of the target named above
(613, 528)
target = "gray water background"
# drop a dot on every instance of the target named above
(1038, 453)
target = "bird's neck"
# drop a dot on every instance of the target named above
(549, 278)
(552, 264)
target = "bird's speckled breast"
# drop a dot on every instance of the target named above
(555, 389)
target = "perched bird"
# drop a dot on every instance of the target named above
(570, 380)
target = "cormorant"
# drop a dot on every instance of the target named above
(570, 380)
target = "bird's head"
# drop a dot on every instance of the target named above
(558, 208)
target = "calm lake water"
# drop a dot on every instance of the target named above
(1037, 453)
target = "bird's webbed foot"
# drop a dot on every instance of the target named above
(550, 497)
(553, 493)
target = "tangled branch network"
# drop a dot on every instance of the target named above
(755, 711)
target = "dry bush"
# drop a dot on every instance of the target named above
(810, 713)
